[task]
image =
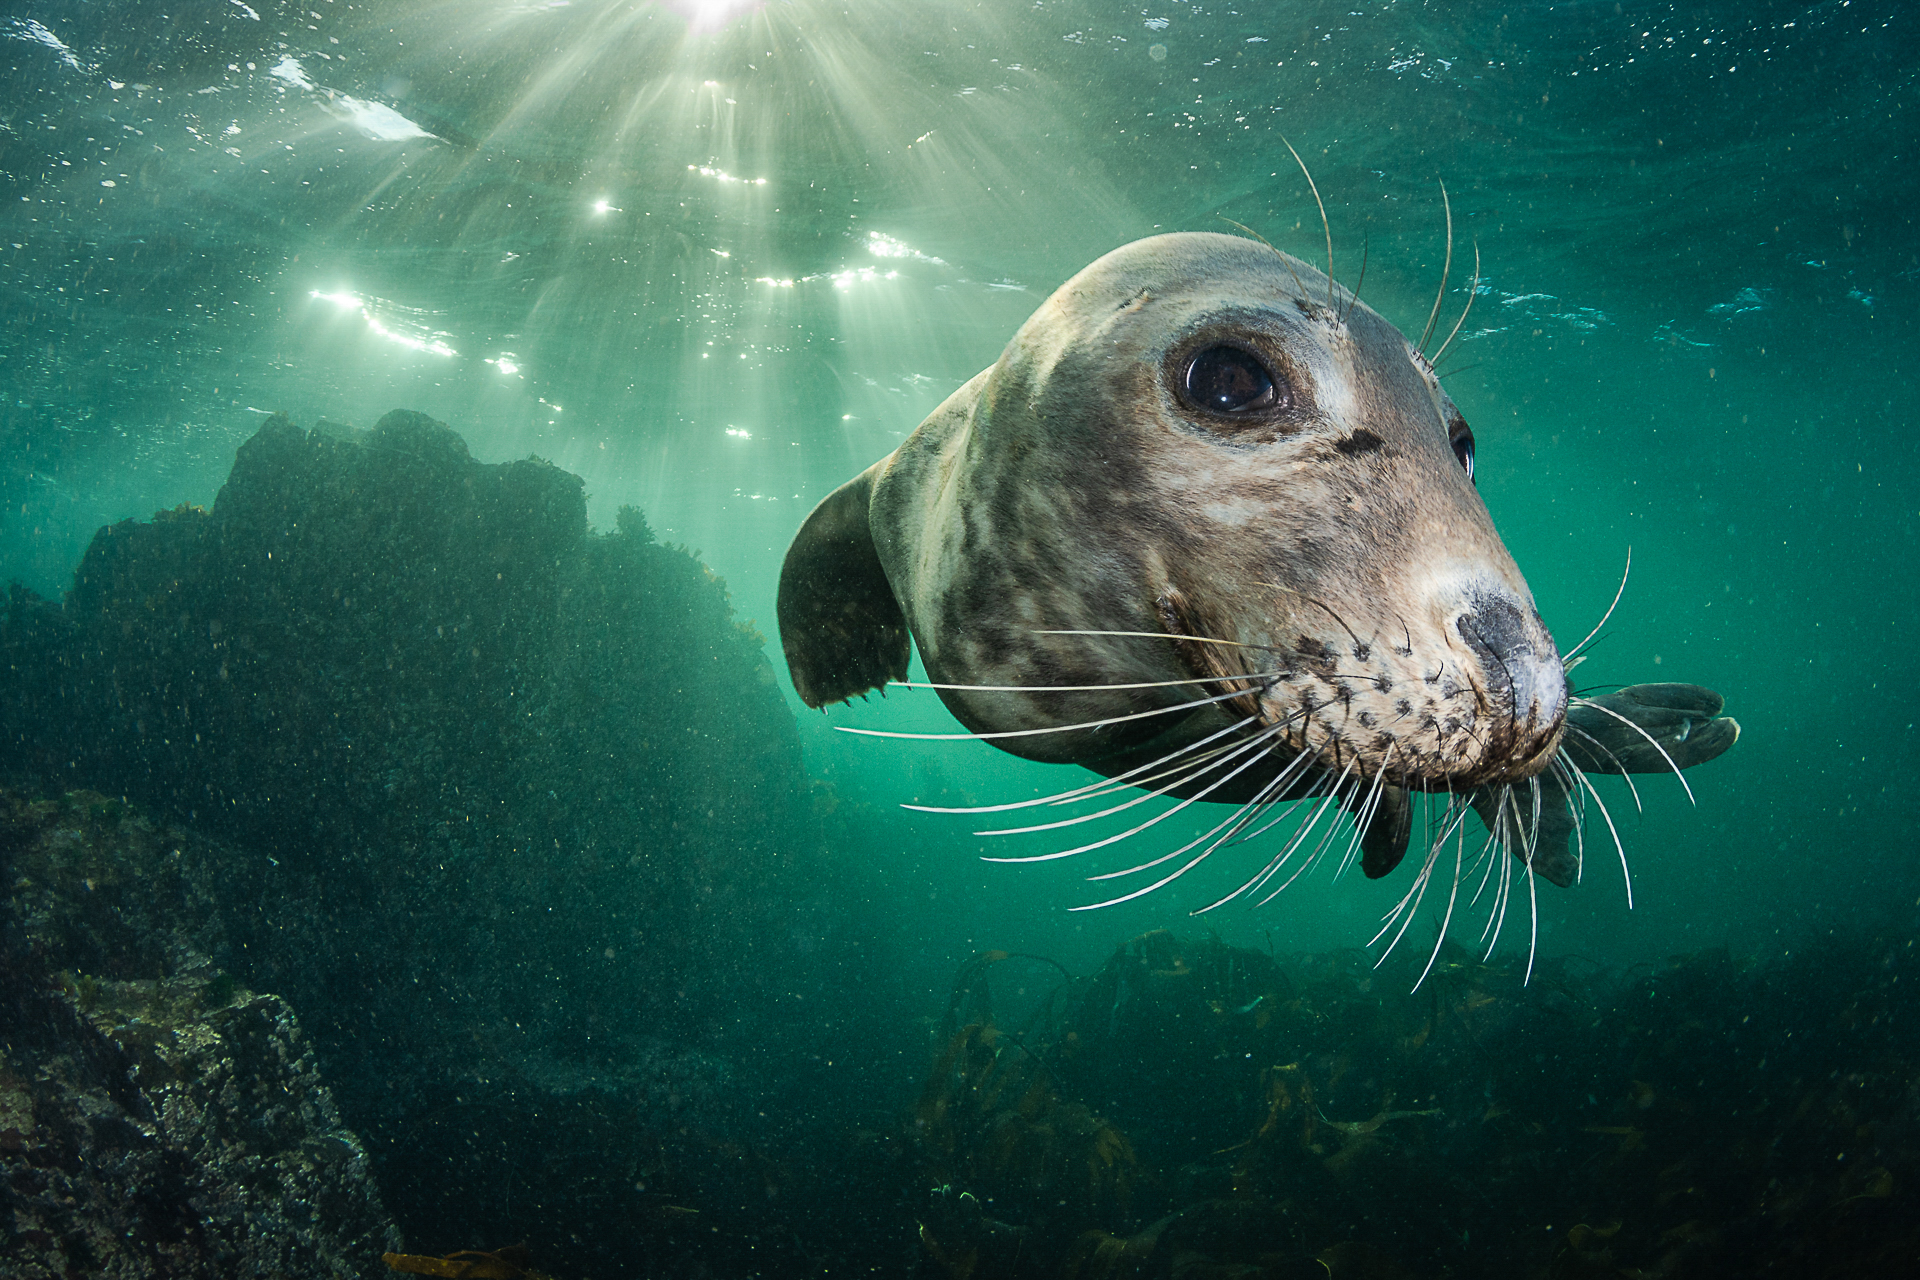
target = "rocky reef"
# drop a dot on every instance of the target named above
(512, 813)
(156, 1118)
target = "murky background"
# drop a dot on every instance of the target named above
(715, 258)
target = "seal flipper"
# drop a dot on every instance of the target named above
(1610, 733)
(1385, 841)
(841, 626)
(1615, 733)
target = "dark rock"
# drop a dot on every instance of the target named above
(513, 814)
(155, 1118)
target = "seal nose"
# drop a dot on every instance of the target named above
(1520, 661)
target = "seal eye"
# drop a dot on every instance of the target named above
(1461, 437)
(1230, 380)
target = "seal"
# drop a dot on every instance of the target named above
(1209, 527)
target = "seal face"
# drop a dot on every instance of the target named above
(1193, 502)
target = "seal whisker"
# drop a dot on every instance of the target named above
(1353, 294)
(1330, 803)
(1296, 842)
(1333, 825)
(1504, 885)
(1360, 647)
(1600, 746)
(1273, 864)
(1364, 819)
(1099, 786)
(1164, 880)
(1417, 891)
(1292, 846)
(1164, 814)
(1236, 749)
(1445, 269)
(1237, 820)
(1272, 797)
(1620, 591)
(1286, 809)
(1497, 919)
(1533, 835)
(1472, 292)
(1533, 912)
(1111, 786)
(1187, 770)
(1168, 635)
(1490, 847)
(1052, 728)
(1625, 872)
(1583, 702)
(1450, 816)
(1051, 688)
(1324, 224)
(1576, 802)
(1459, 854)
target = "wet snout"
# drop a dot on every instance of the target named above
(1525, 680)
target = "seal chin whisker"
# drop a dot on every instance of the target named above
(1618, 765)
(1620, 591)
(1168, 635)
(1052, 728)
(1106, 786)
(1453, 893)
(1232, 823)
(1409, 905)
(1248, 747)
(1651, 740)
(1626, 872)
(1142, 798)
(1047, 688)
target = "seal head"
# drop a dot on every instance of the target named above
(1203, 469)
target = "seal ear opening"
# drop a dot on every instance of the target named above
(841, 627)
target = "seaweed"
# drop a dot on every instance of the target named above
(515, 1262)
(1294, 1116)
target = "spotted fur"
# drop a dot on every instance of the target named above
(1377, 623)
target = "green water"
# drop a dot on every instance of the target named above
(716, 266)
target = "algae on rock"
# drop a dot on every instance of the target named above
(155, 1119)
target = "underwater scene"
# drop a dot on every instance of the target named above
(959, 639)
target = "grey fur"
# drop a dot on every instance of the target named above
(1068, 488)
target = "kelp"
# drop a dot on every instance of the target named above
(1300, 1116)
(515, 1262)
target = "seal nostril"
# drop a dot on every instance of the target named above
(1495, 626)
(1527, 673)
